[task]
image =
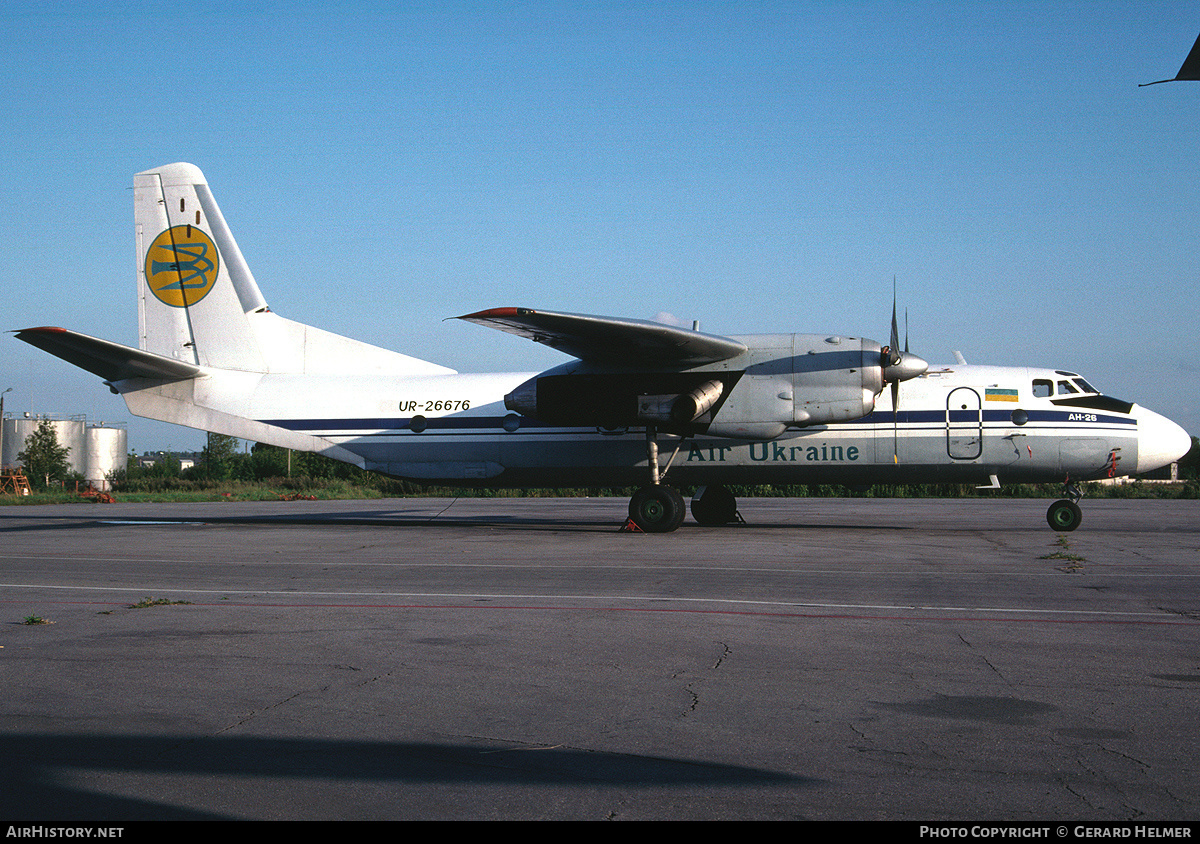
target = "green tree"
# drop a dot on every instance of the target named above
(218, 455)
(269, 461)
(44, 459)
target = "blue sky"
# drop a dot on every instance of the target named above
(757, 166)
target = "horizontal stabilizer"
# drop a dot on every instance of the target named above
(111, 361)
(611, 340)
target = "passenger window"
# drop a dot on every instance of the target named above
(1065, 388)
(1043, 389)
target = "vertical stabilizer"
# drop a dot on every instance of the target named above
(194, 288)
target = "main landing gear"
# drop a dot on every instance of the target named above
(714, 506)
(657, 508)
(1064, 515)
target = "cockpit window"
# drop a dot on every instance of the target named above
(1042, 389)
(1095, 403)
(1085, 386)
(1065, 388)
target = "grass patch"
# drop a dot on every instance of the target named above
(154, 602)
(1064, 553)
(36, 619)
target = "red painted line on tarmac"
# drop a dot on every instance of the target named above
(572, 608)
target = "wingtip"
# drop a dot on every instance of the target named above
(494, 313)
(40, 329)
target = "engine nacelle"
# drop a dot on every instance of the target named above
(577, 395)
(780, 382)
(800, 380)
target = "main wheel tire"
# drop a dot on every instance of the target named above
(657, 509)
(714, 506)
(1064, 515)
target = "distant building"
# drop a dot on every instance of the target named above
(187, 459)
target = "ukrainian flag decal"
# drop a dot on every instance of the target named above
(182, 266)
(993, 394)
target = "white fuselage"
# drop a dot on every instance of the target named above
(957, 423)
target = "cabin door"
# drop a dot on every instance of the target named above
(964, 424)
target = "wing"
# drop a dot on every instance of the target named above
(1188, 72)
(611, 340)
(111, 361)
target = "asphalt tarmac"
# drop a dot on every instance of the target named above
(921, 660)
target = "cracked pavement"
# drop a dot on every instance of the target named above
(521, 659)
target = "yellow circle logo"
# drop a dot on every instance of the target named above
(182, 266)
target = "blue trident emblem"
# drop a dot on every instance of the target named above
(191, 263)
(190, 269)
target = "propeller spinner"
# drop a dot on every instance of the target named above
(899, 366)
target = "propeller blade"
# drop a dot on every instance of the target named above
(896, 358)
(899, 367)
(895, 339)
(895, 423)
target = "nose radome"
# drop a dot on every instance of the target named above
(1160, 441)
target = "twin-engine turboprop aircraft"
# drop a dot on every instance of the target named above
(639, 404)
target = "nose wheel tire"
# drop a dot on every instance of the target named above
(1064, 515)
(657, 509)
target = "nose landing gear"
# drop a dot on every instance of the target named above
(1064, 515)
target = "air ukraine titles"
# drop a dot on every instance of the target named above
(776, 452)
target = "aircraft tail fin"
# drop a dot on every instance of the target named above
(198, 302)
(194, 288)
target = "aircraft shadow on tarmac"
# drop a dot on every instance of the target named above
(33, 778)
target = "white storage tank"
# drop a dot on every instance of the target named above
(71, 433)
(106, 448)
(15, 433)
(68, 431)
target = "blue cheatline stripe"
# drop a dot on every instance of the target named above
(880, 417)
(938, 417)
(933, 418)
(398, 424)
